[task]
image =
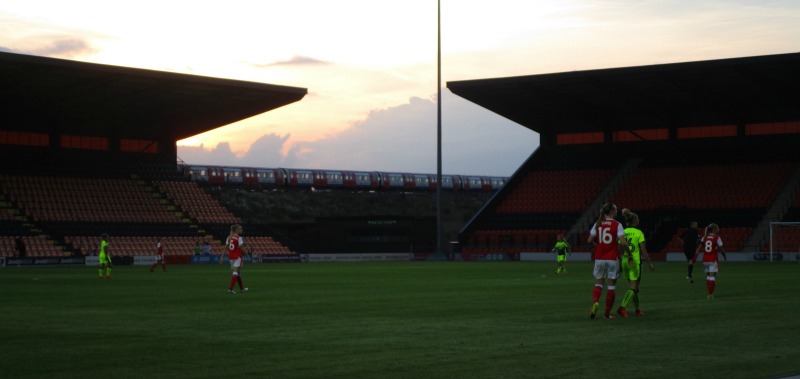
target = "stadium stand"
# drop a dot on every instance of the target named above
(46, 198)
(734, 195)
(197, 203)
(41, 246)
(718, 147)
(8, 246)
(65, 216)
(555, 191)
(789, 237)
(83, 146)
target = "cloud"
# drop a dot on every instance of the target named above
(266, 151)
(392, 139)
(478, 141)
(60, 48)
(401, 138)
(22, 36)
(296, 60)
(63, 48)
(221, 155)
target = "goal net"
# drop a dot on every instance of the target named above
(784, 241)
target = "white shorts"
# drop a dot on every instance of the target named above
(711, 266)
(606, 269)
(236, 263)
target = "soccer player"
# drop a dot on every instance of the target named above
(607, 236)
(632, 262)
(105, 258)
(235, 242)
(562, 249)
(159, 256)
(711, 246)
(689, 239)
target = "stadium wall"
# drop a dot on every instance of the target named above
(671, 257)
(355, 257)
(364, 257)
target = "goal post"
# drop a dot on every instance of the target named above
(784, 240)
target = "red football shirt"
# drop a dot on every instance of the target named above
(710, 245)
(235, 247)
(607, 235)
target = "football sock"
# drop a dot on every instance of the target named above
(636, 300)
(689, 269)
(598, 289)
(164, 266)
(239, 279)
(627, 298)
(153, 267)
(233, 281)
(108, 271)
(610, 297)
(710, 284)
(100, 272)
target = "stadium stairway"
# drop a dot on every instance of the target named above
(49, 214)
(585, 221)
(777, 212)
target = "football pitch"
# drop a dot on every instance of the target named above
(395, 320)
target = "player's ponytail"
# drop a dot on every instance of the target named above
(605, 211)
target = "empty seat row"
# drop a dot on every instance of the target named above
(198, 204)
(703, 187)
(555, 191)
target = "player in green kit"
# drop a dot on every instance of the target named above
(561, 248)
(632, 262)
(105, 258)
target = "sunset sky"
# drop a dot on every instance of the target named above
(370, 65)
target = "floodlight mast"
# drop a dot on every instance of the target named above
(439, 183)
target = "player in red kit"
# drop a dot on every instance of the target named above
(607, 236)
(234, 242)
(711, 247)
(159, 256)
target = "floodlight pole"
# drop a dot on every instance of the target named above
(439, 183)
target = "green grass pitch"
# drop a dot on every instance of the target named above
(394, 320)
